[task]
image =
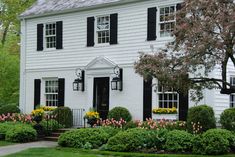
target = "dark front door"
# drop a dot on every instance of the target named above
(101, 96)
(147, 99)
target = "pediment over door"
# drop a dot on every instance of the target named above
(100, 63)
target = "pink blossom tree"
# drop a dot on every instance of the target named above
(204, 41)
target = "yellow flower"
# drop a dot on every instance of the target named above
(165, 110)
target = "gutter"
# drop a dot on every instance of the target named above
(79, 9)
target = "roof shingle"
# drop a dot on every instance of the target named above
(49, 6)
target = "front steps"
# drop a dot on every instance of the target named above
(55, 135)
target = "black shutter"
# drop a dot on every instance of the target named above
(152, 24)
(39, 37)
(37, 92)
(183, 106)
(90, 31)
(61, 92)
(113, 29)
(178, 6)
(147, 99)
(59, 35)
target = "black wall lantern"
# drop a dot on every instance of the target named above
(117, 82)
(79, 83)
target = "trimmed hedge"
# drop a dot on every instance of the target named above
(178, 141)
(119, 112)
(111, 131)
(227, 119)
(82, 138)
(136, 139)
(5, 109)
(214, 142)
(21, 133)
(64, 116)
(50, 125)
(202, 114)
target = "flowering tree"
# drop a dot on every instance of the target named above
(204, 41)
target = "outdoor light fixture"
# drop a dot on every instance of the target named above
(78, 84)
(116, 83)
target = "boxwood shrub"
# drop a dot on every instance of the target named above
(136, 139)
(178, 141)
(227, 119)
(21, 133)
(64, 116)
(202, 114)
(214, 142)
(111, 131)
(50, 125)
(81, 138)
(119, 112)
(5, 109)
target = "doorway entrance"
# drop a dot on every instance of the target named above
(101, 96)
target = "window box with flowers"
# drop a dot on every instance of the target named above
(92, 117)
(165, 113)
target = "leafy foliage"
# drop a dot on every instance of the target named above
(204, 38)
(227, 119)
(9, 109)
(214, 142)
(204, 115)
(79, 138)
(50, 125)
(64, 116)
(178, 141)
(21, 133)
(118, 113)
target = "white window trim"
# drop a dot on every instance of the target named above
(96, 35)
(43, 89)
(158, 22)
(45, 36)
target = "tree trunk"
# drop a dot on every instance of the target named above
(4, 36)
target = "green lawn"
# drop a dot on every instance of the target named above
(62, 152)
(4, 143)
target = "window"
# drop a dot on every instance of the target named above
(50, 34)
(167, 98)
(103, 29)
(51, 92)
(167, 20)
(232, 96)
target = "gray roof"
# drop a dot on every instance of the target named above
(42, 7)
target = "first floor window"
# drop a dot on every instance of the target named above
(167, 98)
(167, 20)
(50, 34)
(103, 29)
(51, 92)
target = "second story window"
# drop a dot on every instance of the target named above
(50, 35)
(167, 20)
(103, 29)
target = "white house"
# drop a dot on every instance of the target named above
(96, 39)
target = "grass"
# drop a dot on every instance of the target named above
(5, 143)
(66, 152)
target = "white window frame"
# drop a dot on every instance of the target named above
(159, 22)
(96, 31)
(46, 36)
(45, 93)
(232, 103)
(168, 101)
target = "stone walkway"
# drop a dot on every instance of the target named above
(6, 150)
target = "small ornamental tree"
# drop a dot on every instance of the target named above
(204, 40)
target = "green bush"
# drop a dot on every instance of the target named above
(204, 115)
(119, 112)
(81, 138)
(21, 133)
(51, 125)
(4, 127)
(214, 142)
(130, 125)
(111, 131)
(64, 116)
(5, 109)
(227, 119)
(178, 141)
(136, 139)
